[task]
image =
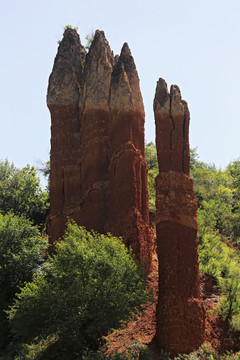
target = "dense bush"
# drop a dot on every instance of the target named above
(89, 286)
(21, 254)
(221, 263)
(21, 193)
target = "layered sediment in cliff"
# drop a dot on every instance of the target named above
(180, 313)
(98, 167)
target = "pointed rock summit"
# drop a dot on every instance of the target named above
(180, 313)
(98, 167)
(172, 123)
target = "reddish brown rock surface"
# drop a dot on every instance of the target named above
(180, 313)
(98, 167)
(95, 128)
(62, 100)
(128, 168)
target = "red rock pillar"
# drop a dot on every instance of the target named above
(128, 193)
(95, 142)
(62, 100)
(180, 313)
(98, 167)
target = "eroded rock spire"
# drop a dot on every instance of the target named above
(180, 313)
(98, 167)
(95, 132)
(64, 89)
(128, 168)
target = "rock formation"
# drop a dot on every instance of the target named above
(180, 313)
(95, 126)
(63, 102)
(128, 168)
(98, 167)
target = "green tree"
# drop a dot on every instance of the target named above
(89, 39)
(234, 169)
(44, 169)
(21, 192)
(88, 287)
(21, 254)
(215, 196)
(151, 156)
(152, 162)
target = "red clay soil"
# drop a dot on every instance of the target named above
(142, 330)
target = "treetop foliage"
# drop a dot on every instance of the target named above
(21, 193)
(21, 255)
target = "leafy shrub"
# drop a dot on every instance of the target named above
(21, 193)
(21, 254)
(39, 351)
(206, 352)
(71, 27)
(89, 286)
(221, 263)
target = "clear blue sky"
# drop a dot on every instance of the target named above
(194, 44)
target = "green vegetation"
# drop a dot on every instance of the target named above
(151, 158)
(88, 287)
(21, 255)
(21, 193)
(206, 352)
(71, 27)
(61, 306)
(89, 39)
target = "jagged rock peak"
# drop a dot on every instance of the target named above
(66, 77)
(172, 128)
(70, 39)
(127, 59)
(125, 81)
(161, 94)
(120, 92)
(175, 91)
(168, 102)
(97, 73)
(100, 48)
(176, 96)
(177, 106)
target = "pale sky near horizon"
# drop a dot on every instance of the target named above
(194, 44)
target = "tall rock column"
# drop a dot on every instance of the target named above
(98, 167)
(128, 213)
(95, 128)
(180, 313)
(62, 99)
